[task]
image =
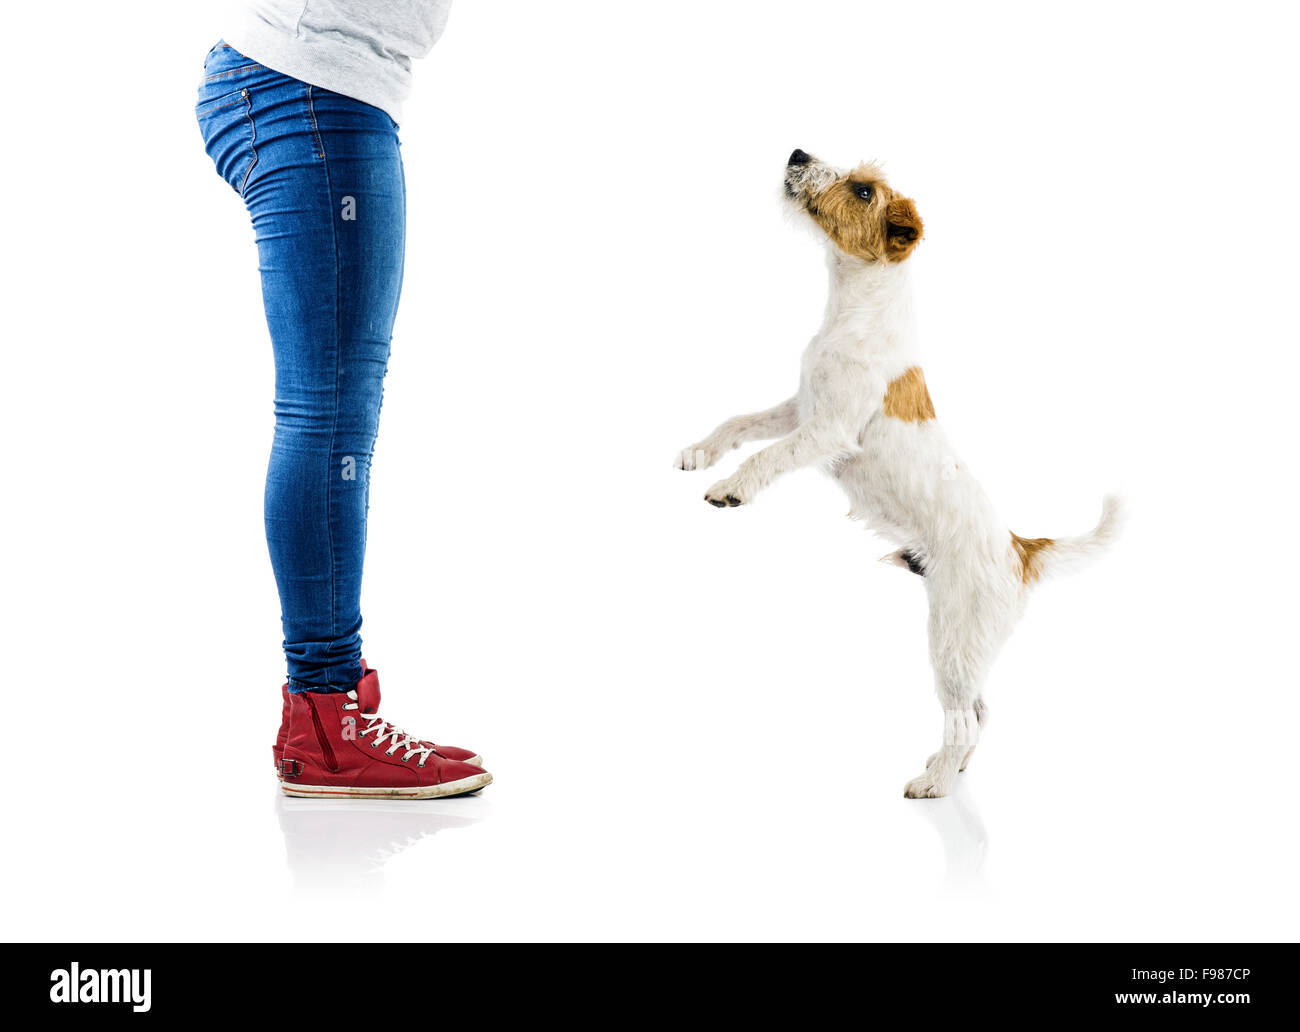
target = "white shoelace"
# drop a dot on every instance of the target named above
(383, 731)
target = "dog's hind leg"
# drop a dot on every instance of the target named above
(959, 737)
(981, 719)
(968, 624)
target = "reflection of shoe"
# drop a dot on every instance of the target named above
(339, 746)
(331, 839)
(452, 752)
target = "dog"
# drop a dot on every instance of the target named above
(863, 413)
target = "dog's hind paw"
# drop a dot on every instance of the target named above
(924, 787)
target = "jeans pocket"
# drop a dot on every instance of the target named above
(229, 136)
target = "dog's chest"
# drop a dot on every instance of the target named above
(843, 371)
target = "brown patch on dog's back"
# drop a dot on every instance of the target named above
(908, 399)
(1027, 549)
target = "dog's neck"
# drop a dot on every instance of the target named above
(868, 303)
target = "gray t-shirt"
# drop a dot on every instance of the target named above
(360, 48)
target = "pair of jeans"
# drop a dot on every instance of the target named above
(321, 177)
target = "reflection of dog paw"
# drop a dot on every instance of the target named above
(697, 456)
(924, 787)
(725, 494)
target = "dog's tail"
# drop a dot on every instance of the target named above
(1045, 557)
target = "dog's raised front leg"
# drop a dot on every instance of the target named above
(738, 430)
(816, 441)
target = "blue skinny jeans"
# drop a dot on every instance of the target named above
(321, 177)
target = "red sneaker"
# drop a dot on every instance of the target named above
(451, 752)
(338, 746)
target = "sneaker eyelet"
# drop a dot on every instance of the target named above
(374, 744)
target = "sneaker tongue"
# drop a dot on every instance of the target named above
(368, 692)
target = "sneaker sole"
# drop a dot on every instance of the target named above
(477, 761)
(450, 788)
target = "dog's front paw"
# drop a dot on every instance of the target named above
(924, 787)
(697, 456)
(726, 493)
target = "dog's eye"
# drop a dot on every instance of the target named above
(862, 191)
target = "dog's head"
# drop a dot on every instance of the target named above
(858, 211)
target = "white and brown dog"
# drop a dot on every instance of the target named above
(863, 413)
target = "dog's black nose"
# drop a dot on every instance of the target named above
(799, 158)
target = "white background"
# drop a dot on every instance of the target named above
(700, 720)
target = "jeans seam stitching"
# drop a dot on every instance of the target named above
(220, 107)
(231, 71)
(338, 350)
(315, 128)
(252, 143)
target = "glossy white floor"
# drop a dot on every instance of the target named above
(700, 721)
(723, 762)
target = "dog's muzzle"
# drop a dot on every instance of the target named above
(799, 159)
(804, 175)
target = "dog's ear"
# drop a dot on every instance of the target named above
(903, 228)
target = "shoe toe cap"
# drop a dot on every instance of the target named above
(455, 770)
(454, 752)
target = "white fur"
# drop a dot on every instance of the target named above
(904, 480)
